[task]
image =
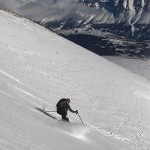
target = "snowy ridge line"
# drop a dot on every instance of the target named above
(14, 133)
(7, 11)
(10, 76)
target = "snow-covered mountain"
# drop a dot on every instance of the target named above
(136, 66)
(38, 67)
(106, 27)
(121, 26)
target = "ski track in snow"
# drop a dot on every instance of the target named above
(23, 91)
(145, 95)
(118, 125)
(10, 76)
(27, 93)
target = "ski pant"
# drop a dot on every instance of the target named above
(63, 113)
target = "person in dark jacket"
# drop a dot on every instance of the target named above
(62, 108)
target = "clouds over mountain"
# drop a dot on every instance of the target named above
(37, 9)
(129, 11)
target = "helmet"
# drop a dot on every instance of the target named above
(68, 100)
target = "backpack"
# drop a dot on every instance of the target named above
(59, 104)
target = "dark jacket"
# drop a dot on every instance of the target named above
(63, 105)
(67, 107)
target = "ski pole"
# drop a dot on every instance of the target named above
(50, 111)
(80, 118)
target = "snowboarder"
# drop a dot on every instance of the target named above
(62, 108)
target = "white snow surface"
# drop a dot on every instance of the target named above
(135, 65)
(38, 67)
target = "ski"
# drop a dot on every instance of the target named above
(47, 113)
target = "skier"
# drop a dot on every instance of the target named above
(62, 108)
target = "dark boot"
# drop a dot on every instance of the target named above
(65, 119)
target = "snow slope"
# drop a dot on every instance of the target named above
(38, 67)
(137, 66)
